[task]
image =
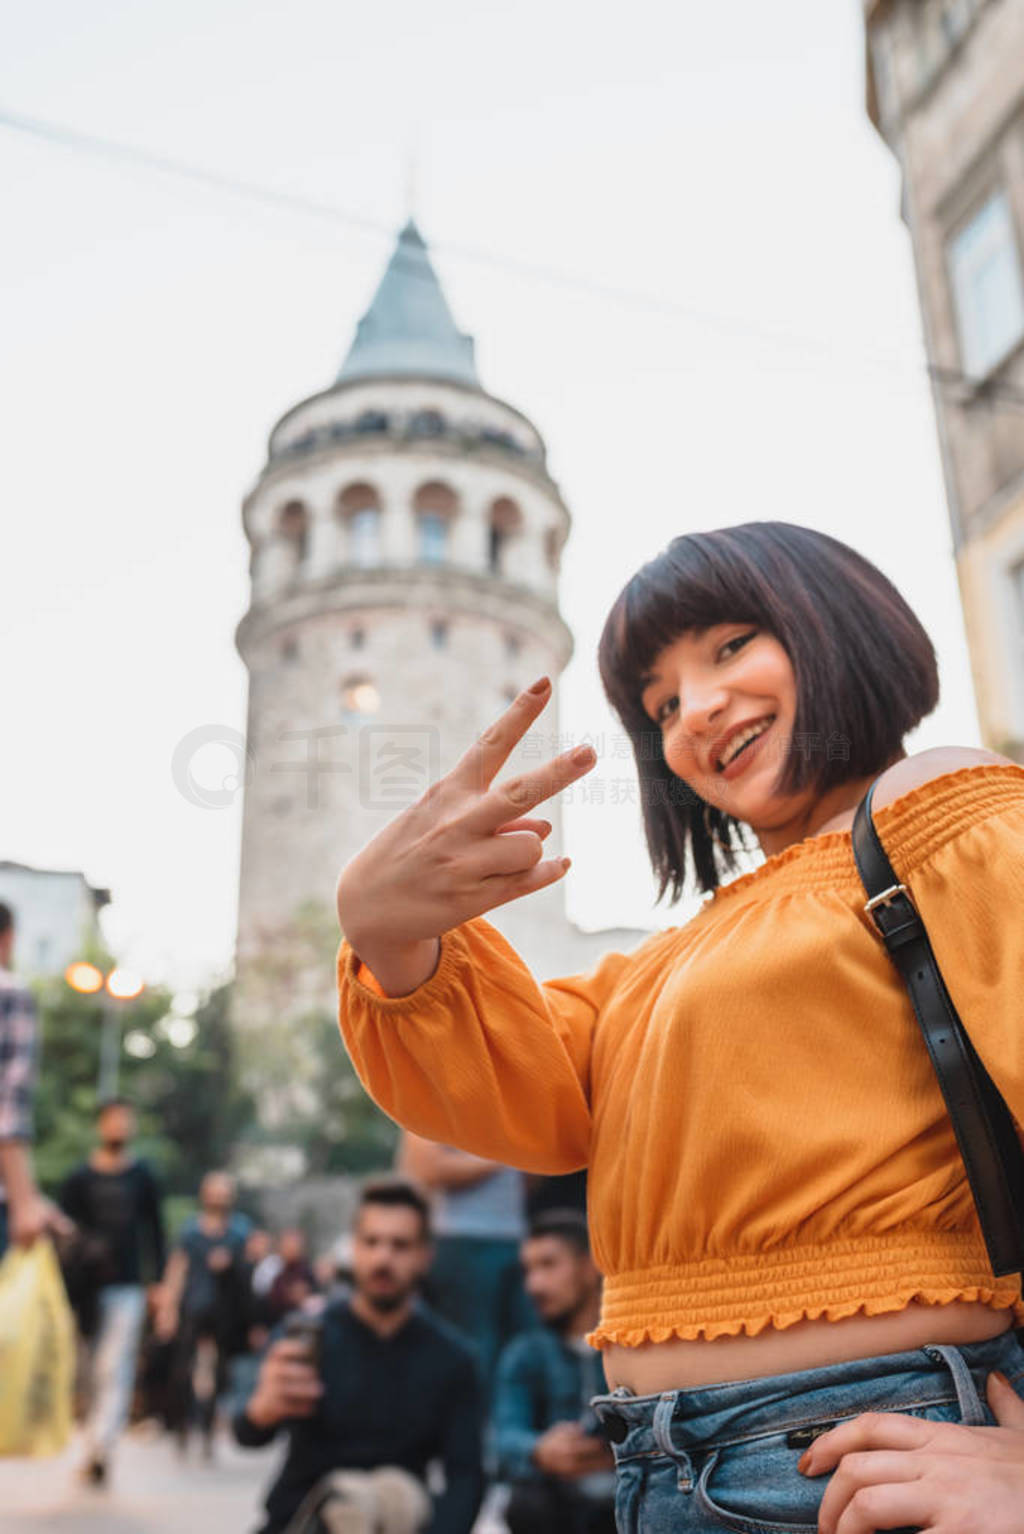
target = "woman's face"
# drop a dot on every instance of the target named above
(725, 702)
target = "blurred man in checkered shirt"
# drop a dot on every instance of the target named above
(24, 1213)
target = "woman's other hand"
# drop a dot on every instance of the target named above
(898, 1472)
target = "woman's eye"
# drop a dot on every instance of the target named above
(731, 646)
(666, 709)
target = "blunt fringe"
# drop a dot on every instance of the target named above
(865, 670)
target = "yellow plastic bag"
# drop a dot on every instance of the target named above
(37, 1353)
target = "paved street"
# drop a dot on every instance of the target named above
(152, 1492)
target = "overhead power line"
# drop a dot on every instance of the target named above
(80, 142)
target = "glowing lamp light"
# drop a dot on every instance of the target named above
(125, 984)
(84, 978)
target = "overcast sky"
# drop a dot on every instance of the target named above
(741, 340)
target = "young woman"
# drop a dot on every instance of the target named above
(777, 1201)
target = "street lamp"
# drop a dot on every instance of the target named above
(113, 989)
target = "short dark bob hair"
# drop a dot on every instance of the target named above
(865, 670)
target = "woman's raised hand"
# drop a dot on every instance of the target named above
(467, 846)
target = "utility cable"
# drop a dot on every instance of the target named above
(296, 203)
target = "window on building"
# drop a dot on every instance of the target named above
(435, 505)
(357, 637)
(359, 695)
(360, 512)
(989, 295)
(427, 423)
(512, 645)
(438, 633)
(293, 527)
(505, 524)
(372, 423)
(289, 651)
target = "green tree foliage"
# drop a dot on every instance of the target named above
(295, 1065)
(190, 1106)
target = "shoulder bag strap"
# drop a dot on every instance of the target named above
(984, 1127)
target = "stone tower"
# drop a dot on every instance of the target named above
(405, 536)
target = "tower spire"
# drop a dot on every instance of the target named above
(408, 330)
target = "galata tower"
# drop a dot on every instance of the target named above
(406, 537)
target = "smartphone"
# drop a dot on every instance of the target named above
(309, 1330)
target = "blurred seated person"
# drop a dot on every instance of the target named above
(480, 1219)
(377, 1390)
(294, 1280)
(547, 1439)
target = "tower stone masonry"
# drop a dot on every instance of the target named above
(405, 539)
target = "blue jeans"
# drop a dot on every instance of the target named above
(114, 1354)
(724, 1457)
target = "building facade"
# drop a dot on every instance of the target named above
(56, 916)
(945, 82)
(405, 536)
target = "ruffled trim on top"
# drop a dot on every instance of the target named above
(912, 828)
(780, 1320)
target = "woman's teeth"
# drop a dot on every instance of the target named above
(739, 742)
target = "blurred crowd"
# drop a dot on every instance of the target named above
(432, 1357)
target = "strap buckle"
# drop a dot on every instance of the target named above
(887, 897)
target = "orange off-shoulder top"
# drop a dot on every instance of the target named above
(764, 1132)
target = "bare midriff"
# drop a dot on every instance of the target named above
(682, 1365)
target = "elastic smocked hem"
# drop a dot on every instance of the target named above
(749, 1293)
(453, 958)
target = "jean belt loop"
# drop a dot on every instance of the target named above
(662, 1428)
(972, 1409)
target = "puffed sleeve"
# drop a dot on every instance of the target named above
(482, 1056)
(970, 894)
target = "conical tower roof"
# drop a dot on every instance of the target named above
(408, 329)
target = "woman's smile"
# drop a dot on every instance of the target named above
(725, 700)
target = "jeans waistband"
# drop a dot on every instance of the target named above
(714, 1416)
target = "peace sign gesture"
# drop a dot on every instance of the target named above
(467, 846)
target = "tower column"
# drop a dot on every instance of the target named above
(469, 535)
(324, 536)
(398, 528)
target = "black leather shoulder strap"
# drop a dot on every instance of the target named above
(984, 1127)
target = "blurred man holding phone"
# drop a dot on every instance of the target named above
(547, 1437)
(371, 1395)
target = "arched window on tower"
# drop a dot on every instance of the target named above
(505, 522)
(359, 510)
(359, 694)
(435, 505)
(293, 530)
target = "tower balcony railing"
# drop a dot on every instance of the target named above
(404, 427)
